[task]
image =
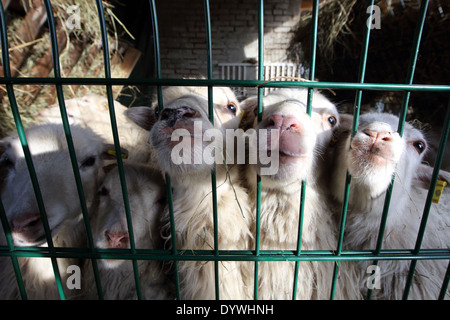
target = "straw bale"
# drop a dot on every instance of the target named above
(80, 52)
(340, 33)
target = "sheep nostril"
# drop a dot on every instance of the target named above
(117, 239)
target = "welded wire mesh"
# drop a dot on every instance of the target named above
(215, 255)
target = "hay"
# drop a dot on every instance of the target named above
(80, 53)
(340, 34)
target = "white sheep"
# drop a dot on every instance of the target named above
(372, 157)
(92, 111)
(50, 155)
(302, 139)
(186, 109)
(146, 197)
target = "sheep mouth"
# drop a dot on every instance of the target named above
(25, 241)
(34, 239)
(378, 157)
(111, 263)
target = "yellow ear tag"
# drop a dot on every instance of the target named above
(440, 185)
(242, 115)
(112, 152)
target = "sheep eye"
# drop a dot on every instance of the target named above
(6, 162)
(420, 146)
(103, 191)
(89, 162)
(232, 107)
(157, 112)
(332, 120)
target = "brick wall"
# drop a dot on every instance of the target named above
(234, 25)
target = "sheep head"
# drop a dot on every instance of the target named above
(146, 196)
(376, 153)
(51, 161)
(298, 136)
(183, 131)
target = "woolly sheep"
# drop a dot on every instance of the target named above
(91, 111)
(186, 109)
(372, 157)
(302, 140)
(146, 196)
(48, 147)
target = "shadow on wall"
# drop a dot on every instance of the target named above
(234, 31)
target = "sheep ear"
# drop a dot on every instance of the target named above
(345, 121)
(248, 106)
(424, 174)
(143, 116)
(109, 152)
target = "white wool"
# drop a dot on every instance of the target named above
(145, 193)
(192, 199)
(367, 196)
(92, 111)
(280, 203)
(48, 147)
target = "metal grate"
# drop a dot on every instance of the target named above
(248, 71)
(215, 255)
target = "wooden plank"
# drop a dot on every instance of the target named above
(74, 54)
(123, 66)
(27, 32)
(44, 65)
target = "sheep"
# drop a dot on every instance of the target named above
(146, 196)
(302, 140)
(372, 157)
(91, 111)
(49, 151)
(185, 119)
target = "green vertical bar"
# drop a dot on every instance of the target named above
(428, 202)
(362, 72)
(413, 61)
(117, 143)
(444, 286)
(402, 119)
(412, 66)
(73, 158)
(299, 237)
(211, 119)
(315, 23)
(10, 243)
(259, 117)
(4, 220)
(26, 150)
(167, 177)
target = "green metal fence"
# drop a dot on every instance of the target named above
(215, 255)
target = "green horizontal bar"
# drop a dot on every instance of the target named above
(227, 83)
(228, 255)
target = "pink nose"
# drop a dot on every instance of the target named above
(117, 239)
(27, 223)
(378, 136)
(277, 121)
